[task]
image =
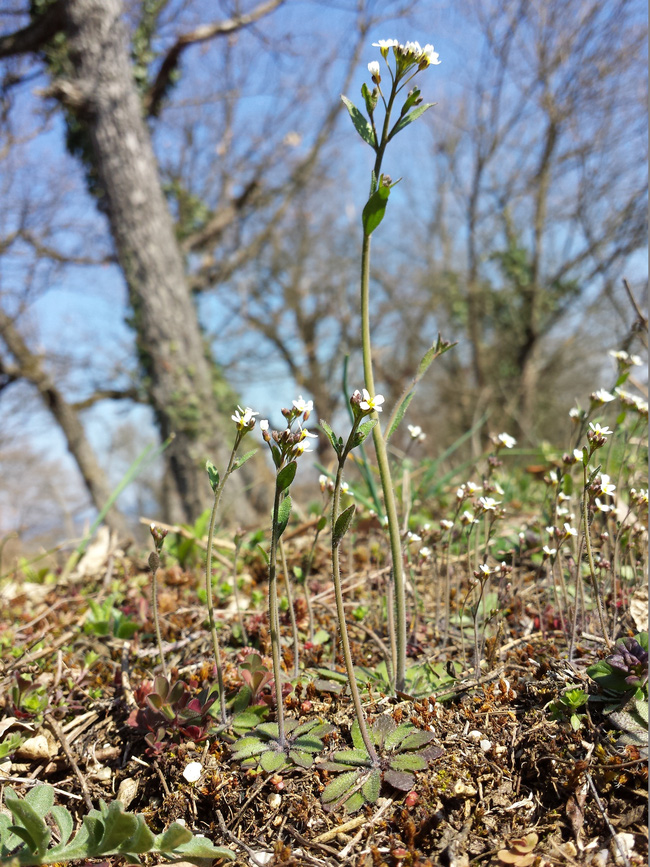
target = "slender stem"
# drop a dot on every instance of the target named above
(345, 642)
(156, 620)
(274, 618)
(590, 558)
(208, 580)
(235, 587)
(292, 613)
(399, 663)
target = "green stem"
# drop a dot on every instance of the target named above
(292, 612)
(274, 617)
(590, 558)
(399, 664)
(345, 642)
(208, 580)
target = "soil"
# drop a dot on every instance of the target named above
(510, 784)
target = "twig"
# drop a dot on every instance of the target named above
(603, 813)
(161, 777)
(59, 734)
(129, 698)
(228, 834)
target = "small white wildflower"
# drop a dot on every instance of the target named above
(578, 454)
(550, 530)
(431, 56)
(576, 414)
(497, 489)
(244, 417)
(601, 396)
(303, 405)
(193, 771)
(488, 504)
(550, 552)
(599, 430)
(373, 69)
(368, 404)
(384, 520)
(506, 440)
(461, 493)
(264, 424)
(636, 360)
(446, 525)
(569, 530)
(425, 552)
(304, 433)
(605, 487)
(561, 512)
(302, 447)
(413, 537)
(485, 569)
(471, 487)
(385, 44)
(426, 527)
(602, 507)
(468, 518)
(562, 497)
(416, 432)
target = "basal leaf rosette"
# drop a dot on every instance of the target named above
(263, 747)
(403, 750)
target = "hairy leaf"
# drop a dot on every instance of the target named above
(360, 123)
(342, 524)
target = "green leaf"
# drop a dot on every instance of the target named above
(342, 524)
(242, 460)
(358, 757)
(331, 436)
(354, 803)
(372, 786)
(373, 212)
(118, 825)
(213, 475)
(37, 834)
(246, 747)
(339, 787)
(64, 823)
(399, 414)
(416, 740)
(142, 840)
(363, 431)
(272, 760)
(175, 836)
(410, 762)
(409, 118)
(360, 123)
(370, 98)
(284, 513)
(200, 849)
(382, 729)
(286, 476)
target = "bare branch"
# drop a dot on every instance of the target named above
(108, 394)
(201, 34)
(35, 35)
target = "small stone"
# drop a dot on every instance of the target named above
(474, 736)
(274, 800)
(127, 791)
(193, 771)
(462, 788)
(485, 745)
(35, 749)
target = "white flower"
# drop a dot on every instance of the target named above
(488, 504)
(373, 69)
(304, 433)
(600, 431)
(345, 489)
(385, 44)
(636, 360)
(415, 432)
(550, 530)
(569, 530)
(624, 359)
(561, 512)
(431, 56)
(471, 487)
(193, 772)
(461, 493)
(243, 417)
(425, 553)
(446, 525)
(368, 404)
(575, 413)
(578, 454)
(468, 518)
(601, 396)
(562, 497)
(264, 424)
(413, 537)
(550, 552)
(605, 486)
(602, 507)
(506, 440)
(497, 488)
(303, 405)
(485, 569)
(302, 447)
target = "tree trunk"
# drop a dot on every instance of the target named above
(30, 368)
(179, 374)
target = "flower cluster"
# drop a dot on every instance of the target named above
(288, 444)
(624, 359)
(416, 433)
(632, 401)
(408, 55)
